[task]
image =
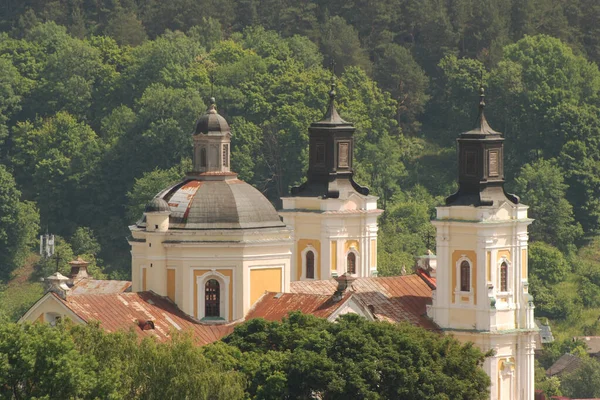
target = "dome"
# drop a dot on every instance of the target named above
(157, 204)
(211, 122)
(218, 204)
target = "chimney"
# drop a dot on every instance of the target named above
(57, 283)
(344, 281)
(78, 270)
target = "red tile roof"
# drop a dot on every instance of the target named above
(274, 306)
(99, 286)
(393, 299)
(122, 311)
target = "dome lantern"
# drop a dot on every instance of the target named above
(212, 143)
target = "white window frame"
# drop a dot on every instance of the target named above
(303, 254)
(506, 295)
(223, 293)
(356, 257)
(459, 294)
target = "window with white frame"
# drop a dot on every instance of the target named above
(464, 276)
(213, 296)
(351, 263)
(503, 276)
(309, 257)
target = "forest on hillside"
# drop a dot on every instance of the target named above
(98, 100)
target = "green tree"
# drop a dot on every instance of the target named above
(37, 361)
(584, 382)
(304, 356)
(340, 44)
(547, 263)
(150, 184)
(541, 186)
(60, 154)
(19, 225)
(125, 28)
(83, 241)
(399, 74)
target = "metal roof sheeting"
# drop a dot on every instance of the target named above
(274, 306)
(122, 311)
(393, 299)
(99, 286)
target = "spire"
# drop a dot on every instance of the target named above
(330, 158)
(332, 116)
(481, 125)
(480, 165)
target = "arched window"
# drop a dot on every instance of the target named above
(212, 297)
(310, 265)
(503, 277)
(465, 276)
(351, 261)
(203, 157)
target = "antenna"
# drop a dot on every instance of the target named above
(58, 258)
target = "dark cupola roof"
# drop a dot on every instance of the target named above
(211, 122)
(217, 204)
(211, 196)
(157, 205)
(330, 149)
(480, 166)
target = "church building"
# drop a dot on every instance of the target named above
(211, 252)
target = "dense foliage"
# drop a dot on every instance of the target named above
(306, 357)
(300, 358)
(98, 99)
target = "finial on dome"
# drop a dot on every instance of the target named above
(332, 91)
(212, 109)
(481, 97)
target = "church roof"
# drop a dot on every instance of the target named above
(393, 299)
(218, 204)
(274, 306)
(99, 286)
(212, 122)
(125, 311)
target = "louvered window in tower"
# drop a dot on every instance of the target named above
(465, 277)
(212, 294)
(226, 155)
(203, 157)
(503, 277)
(310, 265)
(351, 263)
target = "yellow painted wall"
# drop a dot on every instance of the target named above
(456, 255)
(503, 253)
(334, 255)
(171, 284)
(524, 263)
(264, 280)
(225, 272)
(373, 253)
(351, 243)
(303, 244)
(144, 270)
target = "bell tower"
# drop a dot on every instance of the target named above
(333, 218)
(482, 291)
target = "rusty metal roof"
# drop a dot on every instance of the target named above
(123, 311)
(274, 306)
(99, 286)
(393, 299)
